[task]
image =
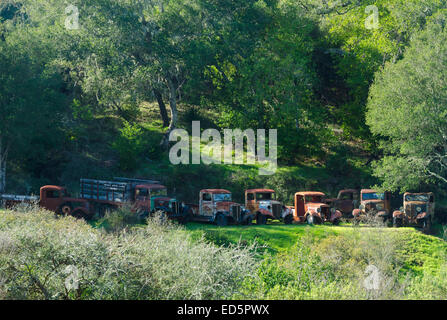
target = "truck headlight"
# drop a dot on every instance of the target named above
(418, 209)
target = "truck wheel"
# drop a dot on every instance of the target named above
(78, 214)
(397, 222)
(310, 219)
(65, 209)
(186, 217)
(221, 220)
(288, 219)
(426, 225)
(261, 219)
(336, 222)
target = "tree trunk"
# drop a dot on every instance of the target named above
(174, 114)
(3, 157)
(163, 111)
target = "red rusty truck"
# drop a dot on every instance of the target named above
(373, 203)
(216, 206)
(263, 204)
(99, 196)
(418, 210)
(347, 200)
(53, 198)
(310, 208)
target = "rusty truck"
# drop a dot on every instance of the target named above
(99, 196)
(418, 210)
(263, 204)
(310, 208)
(373, 203)
(347, 200)
(53, 198)
(217, 206)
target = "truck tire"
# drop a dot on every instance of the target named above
(65, 209)
(288, 219)
(78, 214)
(186, 217)
(261, 219)
(221, 220)
(397, 222)
(426, 225)
(336, 222)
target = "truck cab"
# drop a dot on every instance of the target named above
(347, 200)
(149, 198)
(310, 208)
(375, 203)
(263, 204)
(217, 206)
(418, 210)
(57, 199)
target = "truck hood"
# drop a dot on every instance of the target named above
(316, 205)
(162, 201)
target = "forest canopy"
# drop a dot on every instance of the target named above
(101, 84)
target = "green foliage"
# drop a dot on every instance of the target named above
(153, 262)
(129, 145)
(407, 108)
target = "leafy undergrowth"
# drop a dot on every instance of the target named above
(412, 254)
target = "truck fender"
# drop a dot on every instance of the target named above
(356, 212)
(335, 215)
(286, 211)
(421, 215)
(381, 213)
(398, 214)
(265, 212)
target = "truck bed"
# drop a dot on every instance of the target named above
(110, 191)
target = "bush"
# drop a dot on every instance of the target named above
(44, 257)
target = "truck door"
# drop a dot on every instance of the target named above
(51, 199)
(345, 202)
(250, 202)
(142, 199)
(206, 204)
(299, 206)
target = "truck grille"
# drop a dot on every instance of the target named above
(276, 209)
(236, 212)
(175, 207)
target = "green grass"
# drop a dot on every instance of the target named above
(419, 252)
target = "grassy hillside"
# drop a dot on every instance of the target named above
(420, 252)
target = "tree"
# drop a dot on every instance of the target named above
(408, 108)
(32, 104)
(357, 53)
(273, 87)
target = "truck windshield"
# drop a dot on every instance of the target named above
(373, 196)
(222, 197)
(314, 198)
(265, 196)
(416, 197)
(159, 192)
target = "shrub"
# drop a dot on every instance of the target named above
(45, 257)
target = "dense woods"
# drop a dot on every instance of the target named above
(94, 89)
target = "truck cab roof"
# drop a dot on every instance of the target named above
(260, 190)
(215, 191)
